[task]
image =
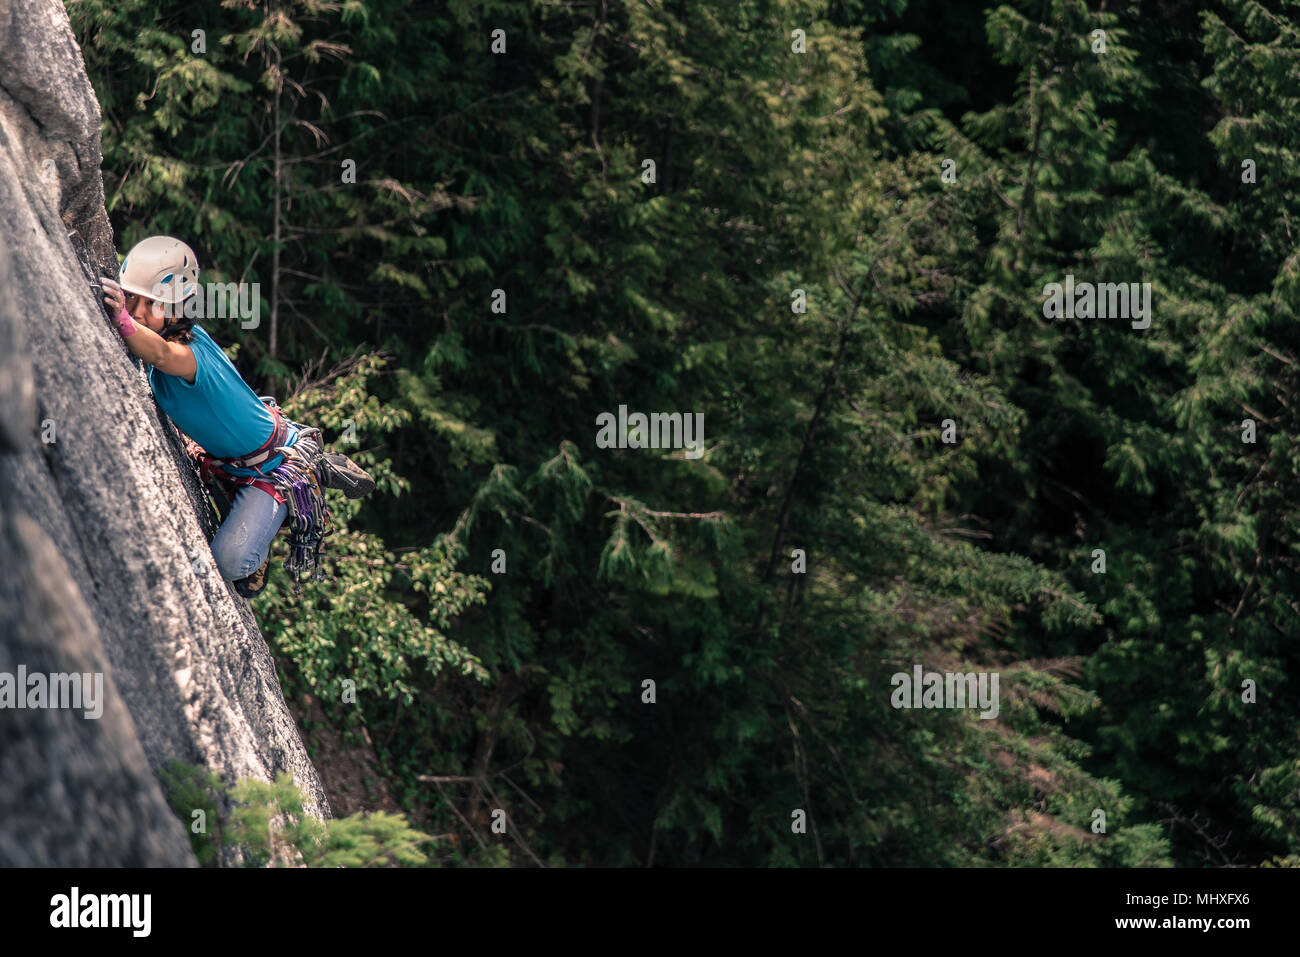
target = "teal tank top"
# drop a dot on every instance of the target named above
(219, 411)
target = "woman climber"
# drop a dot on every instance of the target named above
(276, 467)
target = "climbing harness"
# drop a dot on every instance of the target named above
(295, 483)
(268, 450)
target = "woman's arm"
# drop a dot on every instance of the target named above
(169, 357)
(172, 358)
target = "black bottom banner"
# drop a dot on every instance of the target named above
(334, 907)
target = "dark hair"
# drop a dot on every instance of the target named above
(178, 328)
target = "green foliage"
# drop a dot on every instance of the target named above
(190, 789)
(500, 601)
(266, 825)
(378, 619)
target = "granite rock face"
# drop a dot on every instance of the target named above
(103, 527)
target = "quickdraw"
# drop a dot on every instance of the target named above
(297, 479)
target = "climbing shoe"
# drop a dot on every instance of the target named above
(254, 583)
(340, 472)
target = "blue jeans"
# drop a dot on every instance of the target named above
(244, 539)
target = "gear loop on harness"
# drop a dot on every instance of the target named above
(298, 478)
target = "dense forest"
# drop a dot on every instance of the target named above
(988, 315)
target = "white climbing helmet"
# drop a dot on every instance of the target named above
(162, 268)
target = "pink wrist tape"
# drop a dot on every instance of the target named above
(125, 324)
